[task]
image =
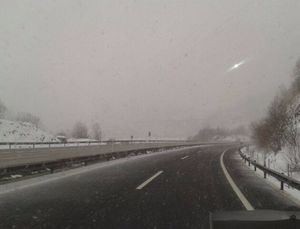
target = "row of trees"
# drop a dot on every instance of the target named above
(280, 126)
(209, 133)
(80, 130)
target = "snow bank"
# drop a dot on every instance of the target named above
(13, 131)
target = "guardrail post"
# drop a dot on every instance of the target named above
(265, 174)
(9, 145)
(293, 221)
(255, 166)
(281, 183)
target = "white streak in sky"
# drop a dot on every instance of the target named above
(235, 66)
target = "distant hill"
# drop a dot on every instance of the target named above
(232, 138)
(208, 134)
(13, 131)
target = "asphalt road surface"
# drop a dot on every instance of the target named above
(175, 189)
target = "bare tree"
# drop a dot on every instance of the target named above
(291, 136)
(96, 131)
(280, 127)
(277, 121)
(295, 87)
(3, 109)
(80, 130)
(270, 133)
(261, 134)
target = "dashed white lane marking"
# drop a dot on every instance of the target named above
(149, 180)
(238, 192)
(184, 157)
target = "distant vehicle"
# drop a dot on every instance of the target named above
(62, 138)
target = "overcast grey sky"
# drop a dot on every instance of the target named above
(159, 65)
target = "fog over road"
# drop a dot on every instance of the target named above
(173, 189)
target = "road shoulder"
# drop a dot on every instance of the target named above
(258, 192)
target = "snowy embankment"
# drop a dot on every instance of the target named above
(278, 162)
(12, 131)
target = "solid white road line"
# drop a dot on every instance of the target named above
(149, 180)
(238, 192)
(184, 157)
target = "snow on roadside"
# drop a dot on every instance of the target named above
(278, 162)
(293, 193)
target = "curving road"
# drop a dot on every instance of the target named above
(174, 189)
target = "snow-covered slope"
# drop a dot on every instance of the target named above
(12, 131)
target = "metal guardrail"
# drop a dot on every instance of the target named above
(258, 219)
(63, 163)
(63, 157)
(77, 143)
(279, 176)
